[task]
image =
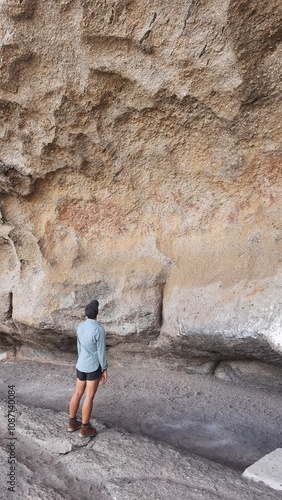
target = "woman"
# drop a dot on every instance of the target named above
(91, 367)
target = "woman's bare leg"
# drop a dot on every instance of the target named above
(76, 397)
(91, 388)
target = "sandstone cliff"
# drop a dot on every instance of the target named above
(140, 164)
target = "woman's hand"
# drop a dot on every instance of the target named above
(104, 377)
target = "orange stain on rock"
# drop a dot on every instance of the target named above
(254, 292)
(93, 219)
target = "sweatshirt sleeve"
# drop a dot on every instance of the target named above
(101, 348)
(78, 347)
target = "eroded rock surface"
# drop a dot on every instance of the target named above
(251, 372)
(140, 164)
(233, 424)
(51, 464)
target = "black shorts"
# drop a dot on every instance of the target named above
(89, 376)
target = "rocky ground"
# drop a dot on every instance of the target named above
(164, 433)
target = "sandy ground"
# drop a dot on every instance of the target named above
(226, 423)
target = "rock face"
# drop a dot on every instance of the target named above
(140, 164)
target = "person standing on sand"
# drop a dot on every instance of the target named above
(91, 367)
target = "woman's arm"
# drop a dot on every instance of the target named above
(101, 348)
(104, 377)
